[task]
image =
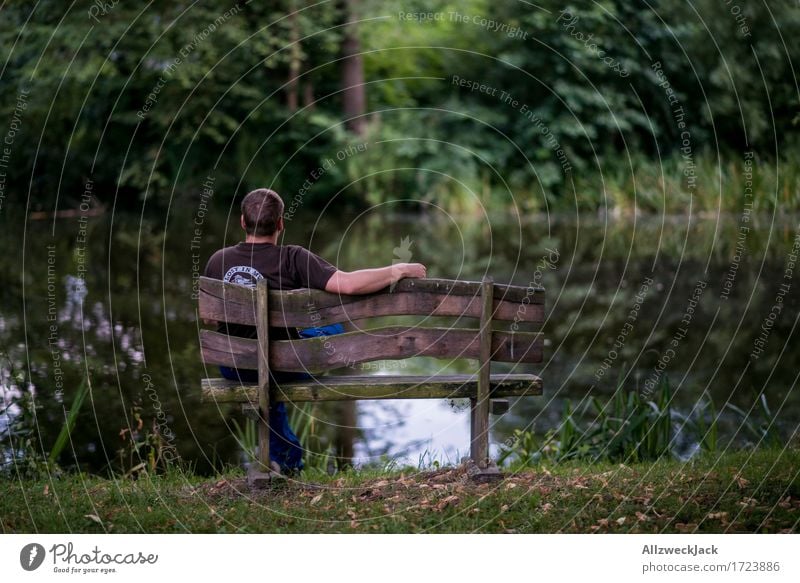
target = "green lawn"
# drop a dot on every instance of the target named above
(742, 492)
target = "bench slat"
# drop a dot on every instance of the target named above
(232, 303)
(351, 348)
(375, 387)
(235, 304)
(352, 308)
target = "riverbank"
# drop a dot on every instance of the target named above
(742, 492)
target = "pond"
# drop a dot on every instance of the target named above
(709, 302)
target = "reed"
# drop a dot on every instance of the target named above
(631, 428)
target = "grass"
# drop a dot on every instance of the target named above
(750, 491)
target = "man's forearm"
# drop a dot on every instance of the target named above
(363, 281)
(366, 281)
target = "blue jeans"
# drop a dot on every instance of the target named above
(284, 447)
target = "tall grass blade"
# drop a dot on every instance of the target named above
(69, 422)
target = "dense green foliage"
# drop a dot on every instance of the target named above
(150, 100)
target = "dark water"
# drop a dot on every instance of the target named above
(708, 304)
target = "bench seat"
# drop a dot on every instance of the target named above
(362, 387)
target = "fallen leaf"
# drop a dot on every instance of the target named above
(447, 502)
(366, 494)
(94, 518)
(620, 520)
(316, 499)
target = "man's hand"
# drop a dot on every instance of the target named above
(409, 270)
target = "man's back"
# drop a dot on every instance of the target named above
(283, 266)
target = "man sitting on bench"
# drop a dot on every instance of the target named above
(287, 267)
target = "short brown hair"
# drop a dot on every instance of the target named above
(262, 210)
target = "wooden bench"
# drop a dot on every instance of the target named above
(484, 301)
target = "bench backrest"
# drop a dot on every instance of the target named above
(304, 308)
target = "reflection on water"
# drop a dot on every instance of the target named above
(622, 299)
(413, 431)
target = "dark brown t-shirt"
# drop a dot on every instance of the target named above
(285, 267)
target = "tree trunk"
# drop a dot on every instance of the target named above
(308, 95)
(294, 59)
(353, 94)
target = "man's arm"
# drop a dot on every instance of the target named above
(366, 281)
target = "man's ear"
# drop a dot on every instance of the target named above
(242, 223)
(279, 226)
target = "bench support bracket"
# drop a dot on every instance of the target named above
(262, 328)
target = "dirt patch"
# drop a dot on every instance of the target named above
(431, 487)
(226, 488)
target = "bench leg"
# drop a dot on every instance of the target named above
(479, 425)
(479, 432)
(263, 440)
(253, 412)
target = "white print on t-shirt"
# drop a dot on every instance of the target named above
(243, 275)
